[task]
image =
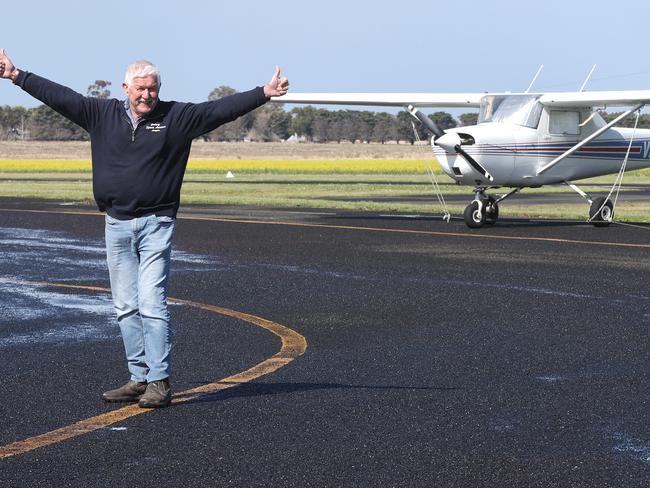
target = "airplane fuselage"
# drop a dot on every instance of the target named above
(514, 154)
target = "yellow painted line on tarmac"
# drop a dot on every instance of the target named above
(293, 345)
(422, 232)
(556, 240)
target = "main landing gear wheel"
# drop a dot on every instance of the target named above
(473, 217)
(601, 212)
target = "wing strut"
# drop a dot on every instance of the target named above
(588, 139)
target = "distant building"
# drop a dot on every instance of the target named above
(295, 138)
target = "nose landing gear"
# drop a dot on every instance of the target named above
(484, 209)
(481, 212)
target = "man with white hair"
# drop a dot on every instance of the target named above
(140, 147)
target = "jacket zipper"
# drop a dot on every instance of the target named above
(133, 129)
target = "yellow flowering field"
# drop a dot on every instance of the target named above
(321, 166)
(44, 165)
(251, 166)
(318, 166)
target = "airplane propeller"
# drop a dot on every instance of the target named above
(426, 122)
(449, 141)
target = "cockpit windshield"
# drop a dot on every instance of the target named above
(511, 109)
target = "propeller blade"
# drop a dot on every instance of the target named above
(426, 122)
(450, 142)
(473, 162)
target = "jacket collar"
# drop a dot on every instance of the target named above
(155, 113)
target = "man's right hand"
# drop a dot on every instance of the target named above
(7, 68)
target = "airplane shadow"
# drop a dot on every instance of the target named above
(502, 223)
(243, 390)
(408, 218)
(519, 223)
(505, 222)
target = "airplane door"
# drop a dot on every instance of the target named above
(561, 132)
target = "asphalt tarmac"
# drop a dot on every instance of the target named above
(435, 355)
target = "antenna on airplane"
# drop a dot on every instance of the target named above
(582, 88)
(534, 78)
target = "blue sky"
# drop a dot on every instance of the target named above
(332, 45)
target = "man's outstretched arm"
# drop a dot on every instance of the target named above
(67, 102)
(200, 118)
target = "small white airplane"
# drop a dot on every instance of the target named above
(521, 140)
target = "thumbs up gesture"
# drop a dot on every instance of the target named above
(7, 68)
(277, 86)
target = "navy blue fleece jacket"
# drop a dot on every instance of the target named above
(139, 171)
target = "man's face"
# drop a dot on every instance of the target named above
(142, 94)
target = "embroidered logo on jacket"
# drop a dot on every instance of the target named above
(155, 127)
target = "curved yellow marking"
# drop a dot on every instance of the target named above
(293, 345)
(556, 240)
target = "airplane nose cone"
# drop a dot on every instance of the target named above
(448, 141)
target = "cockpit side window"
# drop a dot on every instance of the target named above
(534, 115)
(564, 122)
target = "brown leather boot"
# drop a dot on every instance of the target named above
(157, 395)
(131, 392)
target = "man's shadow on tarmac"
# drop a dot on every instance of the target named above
(242, 390)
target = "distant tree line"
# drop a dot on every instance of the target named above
(44, 124)
(644, 120)
(268, 123)
(273, 123)
(40, 123)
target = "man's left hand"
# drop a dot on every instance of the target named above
(7, 68)
(278, 85)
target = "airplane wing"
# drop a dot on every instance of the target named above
(596, 98)
(385, 99)
(452, 100)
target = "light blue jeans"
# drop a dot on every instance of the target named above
(138, 253)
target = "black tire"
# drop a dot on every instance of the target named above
(601, 212)
(471, 216)
(491, 211)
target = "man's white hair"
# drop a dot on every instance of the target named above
(141, 69)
